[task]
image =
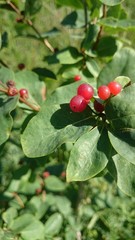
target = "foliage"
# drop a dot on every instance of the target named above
(66, 175)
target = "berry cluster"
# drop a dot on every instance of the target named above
(12, 90)
(85, 93)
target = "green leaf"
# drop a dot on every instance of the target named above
(30, 81)
(38, 206)
(93, 67)
(121, 65)
(124, 143)
(55, 124)
(28, 227)
(32, 6)
(125, 175)
(120, 111)
(70, 3)
(53, 32)
(54, 184)
(111, 2)
(9, 215)
(7, 105)
(91, 36)
(118, 23)
(64, 205)
(53, 224)
(69, 56)
(89, 155)
(107, 46)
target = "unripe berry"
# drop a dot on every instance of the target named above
(99, 107)
(85, 90)
(104, 92)
(78, 104)
(23, 93)
(115, 87)
(12, 91)
(77, 78)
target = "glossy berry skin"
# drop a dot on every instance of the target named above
(114, 87)
(23, 93)
(85, 90)
(104, 92)
(12, 91)
(78, 104)
(77, 78)
(99, 107)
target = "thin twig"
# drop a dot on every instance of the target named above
(34, 107)
(85, 14)
(30, 23)
(19, 200)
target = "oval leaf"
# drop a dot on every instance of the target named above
(125, 175)
(124, 143)
(120, 111)
(89, 155)
(55, 124)
(53, 224)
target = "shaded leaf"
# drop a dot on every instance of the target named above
(70, 3)
(32, 6)
(107, 46)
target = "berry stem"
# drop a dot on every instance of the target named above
(34, 107)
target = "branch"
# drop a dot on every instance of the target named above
(30, 23)
(85, 14)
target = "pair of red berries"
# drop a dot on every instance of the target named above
(105, 91)
(12, 91)
(84, 94)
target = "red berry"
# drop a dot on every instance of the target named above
(77, 77)
(115, 87)
(99, 107)
(85, 90)
(63, 174)
(78, 104)
(21, 66)
(23, 93)
(12, 91)
(38, 191)
(46, 174)
(104, 92)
